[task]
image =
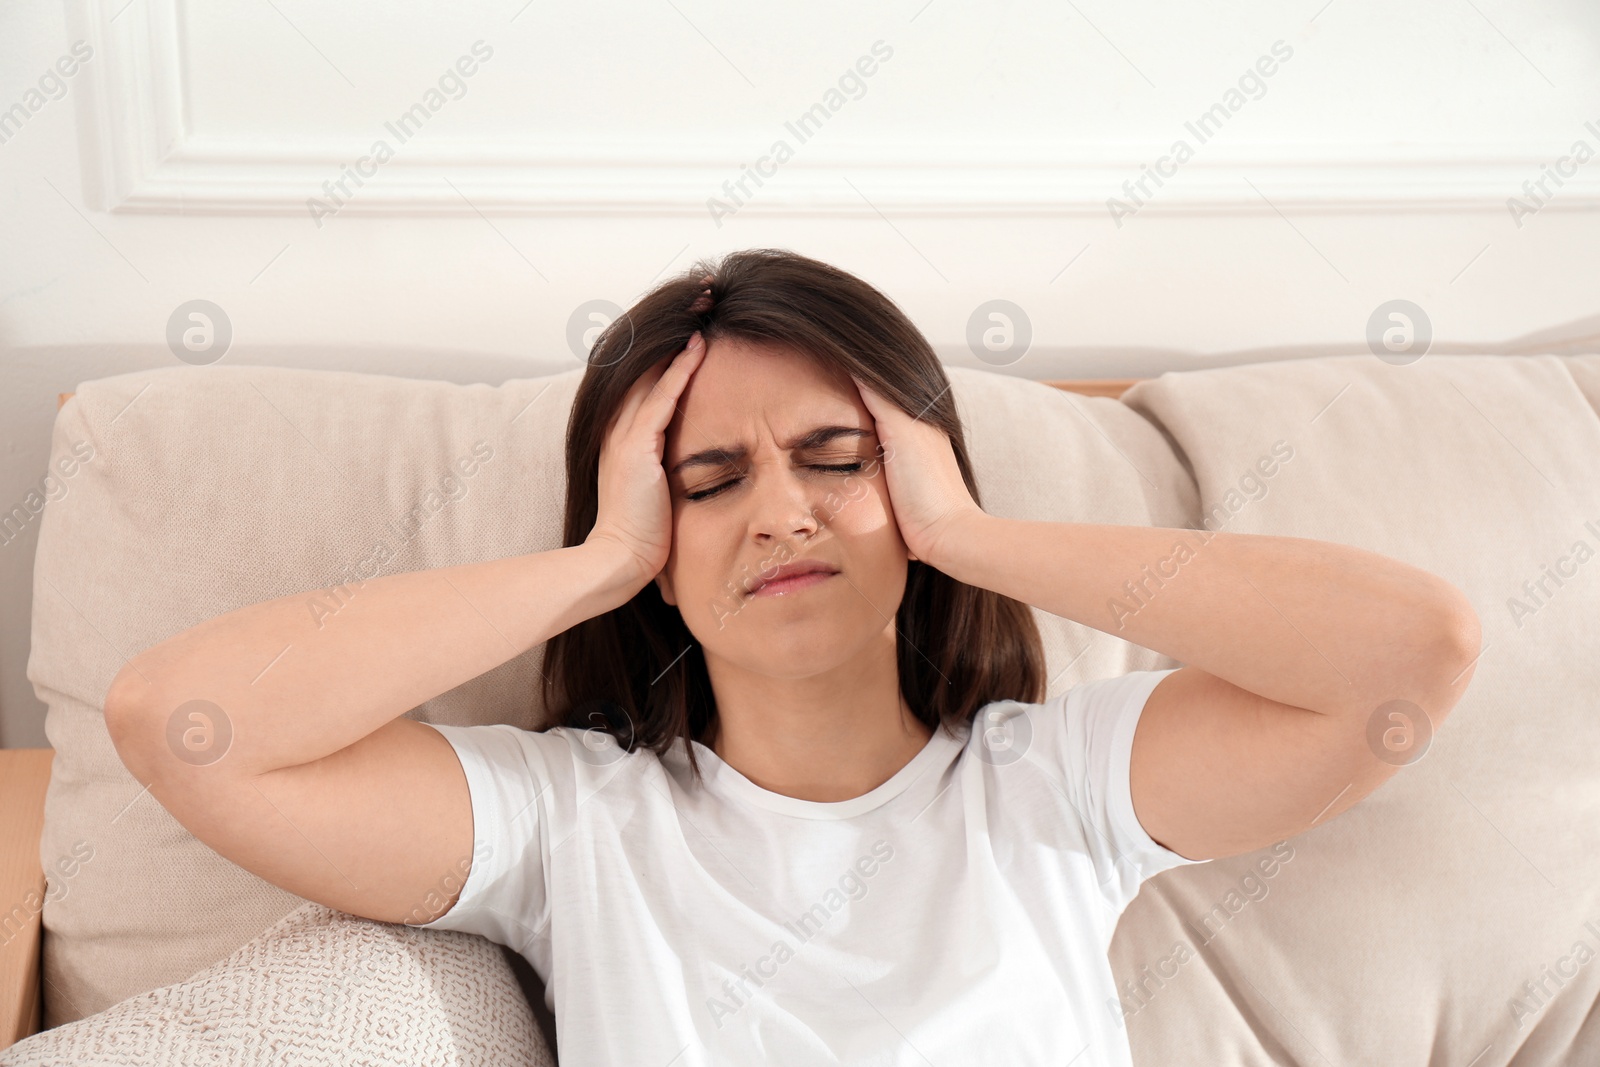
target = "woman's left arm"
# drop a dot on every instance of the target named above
(1313, 670)
(1311, 624)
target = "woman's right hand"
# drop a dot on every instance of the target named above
(635, 501)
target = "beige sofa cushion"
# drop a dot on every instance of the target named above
(210, 488)
(1451, 917)
(318, 989)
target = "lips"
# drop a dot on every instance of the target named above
(779, 580)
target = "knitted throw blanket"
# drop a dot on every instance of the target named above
(320, 988)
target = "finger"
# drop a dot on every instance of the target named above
(871, 399)
(650, 383)
(662, 401)
(635, 396)
(881, 410)
(675, 373)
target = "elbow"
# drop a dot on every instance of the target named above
(127, 716)
(1463, 630)
(1460, 643)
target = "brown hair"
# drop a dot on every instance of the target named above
(626, 672)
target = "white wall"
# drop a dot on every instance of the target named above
(975, 162)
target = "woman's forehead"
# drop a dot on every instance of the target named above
(740, 395)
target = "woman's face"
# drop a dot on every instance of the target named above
(738, 517)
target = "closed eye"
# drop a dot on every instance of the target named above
(844, 468)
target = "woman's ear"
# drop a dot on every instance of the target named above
(664, 585)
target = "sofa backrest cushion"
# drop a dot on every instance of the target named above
(1453, 916)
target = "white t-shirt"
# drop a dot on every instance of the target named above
(961, 912)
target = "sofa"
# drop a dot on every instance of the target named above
(1452, 917)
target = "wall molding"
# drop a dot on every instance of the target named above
(138, 157)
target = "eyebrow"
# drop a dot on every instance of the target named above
(724, 455)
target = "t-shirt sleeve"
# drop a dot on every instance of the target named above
(1094, 743)
(506, 894)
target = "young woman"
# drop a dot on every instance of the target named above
(808, 802)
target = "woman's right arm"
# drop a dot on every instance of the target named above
(275, 734)
(299, 766)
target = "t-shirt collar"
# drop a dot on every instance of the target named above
(721, 779)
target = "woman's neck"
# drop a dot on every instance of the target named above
(824, 738)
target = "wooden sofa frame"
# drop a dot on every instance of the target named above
(24, 777)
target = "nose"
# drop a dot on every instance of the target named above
(781, 504)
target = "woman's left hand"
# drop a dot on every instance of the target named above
(929, 496)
